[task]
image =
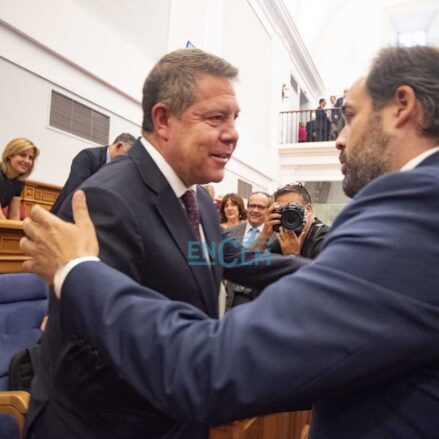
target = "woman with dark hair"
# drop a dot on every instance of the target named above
(17, 163)
(232, 210)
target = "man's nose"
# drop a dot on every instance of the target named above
(340, 142)
(230, 133)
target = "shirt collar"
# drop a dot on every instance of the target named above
(165, 168)
(248, 227)
(411, 164)
(108, 160)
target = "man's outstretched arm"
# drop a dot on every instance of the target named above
(317, 334)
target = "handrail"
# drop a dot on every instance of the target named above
(318, 125)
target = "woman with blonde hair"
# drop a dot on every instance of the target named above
(17, 163)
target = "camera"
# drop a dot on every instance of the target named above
(292, 217)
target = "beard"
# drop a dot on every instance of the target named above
(369, 157)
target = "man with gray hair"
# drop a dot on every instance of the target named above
(355, 334)
(153, 223)
(88, 161)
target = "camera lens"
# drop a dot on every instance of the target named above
(291, 219)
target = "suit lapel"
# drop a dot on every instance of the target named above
(173, 216)
(212, 233)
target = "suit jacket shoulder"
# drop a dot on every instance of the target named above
(86, 163)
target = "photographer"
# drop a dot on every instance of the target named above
(292, 216)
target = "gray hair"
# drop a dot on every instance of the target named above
(417, 67)
(173, 80)
(126, 138)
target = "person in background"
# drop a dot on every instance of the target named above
(339, 104)
(17, 164)
(302, 132)
(323, 124)
(311, 128)
(88, 161)
(210, 190)
(232, 210)
(246, 234)
(310, 241)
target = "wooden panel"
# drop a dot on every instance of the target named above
(35, 192)
(11, 257)
(289, 425)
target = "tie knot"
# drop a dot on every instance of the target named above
(190, 203)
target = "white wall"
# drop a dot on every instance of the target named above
(25, 113)
(82, 54)
(99, 53)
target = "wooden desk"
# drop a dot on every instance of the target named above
(11, 257)
(35, 192)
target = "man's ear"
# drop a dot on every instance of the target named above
(160, 116)
(309, 210)
(406, 106)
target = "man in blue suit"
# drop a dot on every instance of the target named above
(355, 334)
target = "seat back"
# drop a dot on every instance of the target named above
(13, 408)
(23, 304)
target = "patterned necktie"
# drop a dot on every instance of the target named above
(190, 202)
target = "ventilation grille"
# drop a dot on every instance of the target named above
(78, 119)
(244, 189)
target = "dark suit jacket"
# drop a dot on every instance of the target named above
(355, 333)
(339, 102)
(322, 124)
(86, 163)
(143, 231)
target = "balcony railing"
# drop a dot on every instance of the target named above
(319, 125)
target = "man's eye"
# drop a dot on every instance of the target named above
(216, 117)
(348, 115)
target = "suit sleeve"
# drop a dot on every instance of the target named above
(253, 268)
(341, 324)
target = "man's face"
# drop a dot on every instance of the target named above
(257, 209)
(363, 142)
(323, 103)
(202, 139)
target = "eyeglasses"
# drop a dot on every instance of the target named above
(257, 207)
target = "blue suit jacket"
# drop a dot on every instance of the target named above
(355, 334)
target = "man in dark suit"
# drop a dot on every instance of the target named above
(355, 334)
(322, 122)
(89, 161)
(337, 112)
(153, 223)
(247, 233)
